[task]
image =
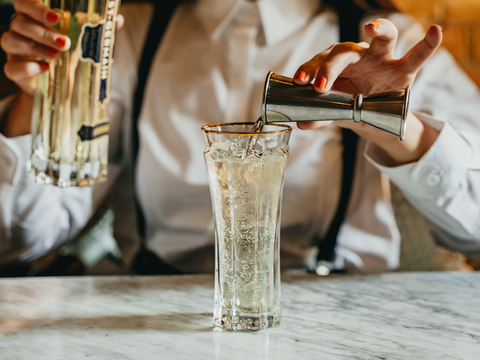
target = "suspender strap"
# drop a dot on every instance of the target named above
(160, 18)
(326, 250)
(146, 262)
(349, 18)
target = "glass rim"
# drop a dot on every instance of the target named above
(206, 129)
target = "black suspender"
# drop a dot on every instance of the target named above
(326, 249)
(349, 15)
(146, 262)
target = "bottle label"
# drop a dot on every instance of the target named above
(91, 42)
(107, 47)
(93, 132)
(97, 44)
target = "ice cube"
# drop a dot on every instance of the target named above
(240, 153)
(223, 145)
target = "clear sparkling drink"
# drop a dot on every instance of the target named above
(71, 104)
(246, 188)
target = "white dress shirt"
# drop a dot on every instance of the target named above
(210, 68)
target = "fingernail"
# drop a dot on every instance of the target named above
(321, 82)
(61, 41)
(44, 66)
(52, 52)
(374, 23)
(52, 17)
(301, 75)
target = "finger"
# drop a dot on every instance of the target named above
(335, 63)
(416, 57)
(33, 30)
(15, 58)
(308, 71)
(14, 44)
(384, 35)
(310, 125)
(36, 10)
(120, 21)
(19, 71)
(346, 124)
(346, 85)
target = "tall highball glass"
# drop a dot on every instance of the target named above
(71, 103)
(246, 172)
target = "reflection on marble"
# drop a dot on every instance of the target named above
(390, 316)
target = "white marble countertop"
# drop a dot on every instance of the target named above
(390, 316)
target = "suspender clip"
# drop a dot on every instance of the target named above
(324, 268)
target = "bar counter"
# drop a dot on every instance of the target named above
(389, 316)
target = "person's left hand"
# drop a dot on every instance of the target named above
(367, 69)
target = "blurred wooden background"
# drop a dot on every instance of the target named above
(460, 20)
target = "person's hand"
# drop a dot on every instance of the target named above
(29, 43)
(30, 38)
(367, 69)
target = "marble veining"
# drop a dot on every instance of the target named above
(388, 316)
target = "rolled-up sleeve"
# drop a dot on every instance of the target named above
(34, 218)
(444, 185)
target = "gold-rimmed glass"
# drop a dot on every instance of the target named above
(245, 129)
(246, 171)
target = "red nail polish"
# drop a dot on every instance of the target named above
(61, 41)
(301, 75)
(44, 66)
(375, 24)
(321, 82)
(52, 52)
(52, 17)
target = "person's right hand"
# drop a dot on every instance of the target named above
(29, 43)
(29, 39)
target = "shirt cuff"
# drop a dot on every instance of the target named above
(437, 175)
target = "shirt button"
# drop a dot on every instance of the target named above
(434, 178)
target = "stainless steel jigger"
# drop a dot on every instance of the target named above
(285, 101)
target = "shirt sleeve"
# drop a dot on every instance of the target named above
(444, 184)
(35, 218)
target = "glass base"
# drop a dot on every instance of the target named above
(65, 175)
(246, 322)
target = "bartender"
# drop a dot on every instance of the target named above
(210, 67)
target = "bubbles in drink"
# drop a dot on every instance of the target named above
(246, 186)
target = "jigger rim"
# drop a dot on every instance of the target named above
(406, 103)
(206, 129)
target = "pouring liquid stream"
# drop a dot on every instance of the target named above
(257, 128)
